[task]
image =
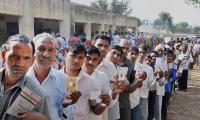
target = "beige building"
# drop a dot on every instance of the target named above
(31, 17)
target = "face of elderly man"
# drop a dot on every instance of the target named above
(45, 52)
(19, 57)
(125, 44)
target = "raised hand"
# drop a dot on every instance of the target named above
(71, 98)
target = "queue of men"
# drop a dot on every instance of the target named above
(44, 79)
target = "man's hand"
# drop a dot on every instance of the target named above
(31, 115)
(178, 74)
(71, 98)
(118, 88)
(158, 75)
(141, 76)
(105, 99)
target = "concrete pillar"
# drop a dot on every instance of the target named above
(102, 28)
(26, 22)
(87, 30)
(126, 28)
(65, 24)
(113, 28)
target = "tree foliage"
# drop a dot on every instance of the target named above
(182, 25)
(197, 29)
(195, 3)
(101, 5)
(120, 8)
(166, 21)
(157, 22)
(116, 6)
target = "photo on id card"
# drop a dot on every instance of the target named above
(72, 84)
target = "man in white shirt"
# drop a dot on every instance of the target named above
(75, 56)
(186, 58)
(160, 67)
(114, 55)
(52, 81)
(90, 64)
(142, 93)
(102, 42)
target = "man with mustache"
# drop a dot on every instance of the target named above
(19, 56)
(52, 81)
(102, 42)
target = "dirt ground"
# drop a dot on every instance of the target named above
(186, 105)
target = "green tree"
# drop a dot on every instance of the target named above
(100, 5)
(197, 29)
(182, 25)
(166, 21)
(157, 22)
(117, 7)
(120, 7)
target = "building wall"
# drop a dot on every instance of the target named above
(96, 20)
(63, 11)
(27, 10)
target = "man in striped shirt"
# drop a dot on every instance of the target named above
(19, 57)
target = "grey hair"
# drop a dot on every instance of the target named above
(44, 35)
(124, 41)
(18, 38)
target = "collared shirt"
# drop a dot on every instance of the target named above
(7, 97)
(144, 90)
(104, 87)
(54, 86)
(80, 110)
(110, 70)
(160, 65)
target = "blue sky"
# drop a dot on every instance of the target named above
(149, 9)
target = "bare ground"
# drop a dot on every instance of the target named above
(186, 105)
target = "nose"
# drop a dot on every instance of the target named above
(91, 62)
(19, 61)
(103, 48)
(46, 53)
(76, 60)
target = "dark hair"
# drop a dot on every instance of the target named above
(117, 47)
(93, 50)
(33, 47)
(103, 37)
(154, 52)
(76, 48)
(83, 40)
(168, 52)
(149, 56)
(135, 49)
(20, 38)
(143, 47)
